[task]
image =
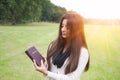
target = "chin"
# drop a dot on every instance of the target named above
(64, 36)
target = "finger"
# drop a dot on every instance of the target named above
(45, 59)
(45, 63)
(42, 63)
(33, 60)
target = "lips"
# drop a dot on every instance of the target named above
(63, 33)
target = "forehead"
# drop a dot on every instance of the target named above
(64, 22)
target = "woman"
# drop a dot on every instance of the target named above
(67, 56)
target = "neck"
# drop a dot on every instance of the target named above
(66, 47)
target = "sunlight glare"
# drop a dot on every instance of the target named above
(92, 8)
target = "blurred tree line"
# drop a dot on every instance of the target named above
(23, 11)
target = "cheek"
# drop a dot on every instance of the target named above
(68, 33)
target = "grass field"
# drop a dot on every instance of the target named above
(103, 43)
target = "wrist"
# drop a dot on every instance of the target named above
(45, 72)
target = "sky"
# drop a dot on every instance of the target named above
(103, 9)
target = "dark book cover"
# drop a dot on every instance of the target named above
(33, 53)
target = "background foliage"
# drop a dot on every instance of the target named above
(22, 11)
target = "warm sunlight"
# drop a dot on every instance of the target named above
(104, 9)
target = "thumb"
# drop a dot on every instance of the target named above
(42, 63)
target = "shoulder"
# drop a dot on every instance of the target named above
(84, 52)
(51, 46)
(52, 43)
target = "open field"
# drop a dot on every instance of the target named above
(103, 43)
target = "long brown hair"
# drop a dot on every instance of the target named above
(75, 24)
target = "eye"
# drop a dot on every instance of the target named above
(67, 27)
(62, 26)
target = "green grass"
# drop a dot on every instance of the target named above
(103, 43)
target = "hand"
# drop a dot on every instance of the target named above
(45, 63)
(41, 68)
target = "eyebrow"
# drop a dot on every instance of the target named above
(64, 24)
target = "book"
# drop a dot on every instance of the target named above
(34, 54)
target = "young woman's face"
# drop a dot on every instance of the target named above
(64, 29)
